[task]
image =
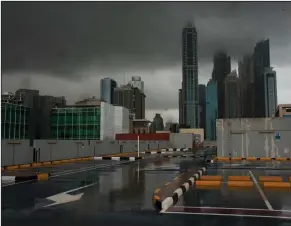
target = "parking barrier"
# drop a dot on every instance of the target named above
(12, 167)
(251, 159)
(277, 184)
(270, 179)
(46, 163)
(207, 183)
(211, 178)
(25, 166)
(239, 178)
(240, 183)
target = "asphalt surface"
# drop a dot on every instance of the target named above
(122, 194)
(239, 198)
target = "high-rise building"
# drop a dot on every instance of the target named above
(107, 86)
(136, 82)
(221, 68)
(270, 89)
(202, 107)
(190, 94)
(261, 61)
(39, 117)
(157, 124)
(246, 76)
(180, 107)
(232, 96)
(131, 98)
(211, 109)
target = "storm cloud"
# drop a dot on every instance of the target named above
(85, 41)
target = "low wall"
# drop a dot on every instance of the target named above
(181, 140)
(15, 152)
(20, 152)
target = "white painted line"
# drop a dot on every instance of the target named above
(178, 191)
(63, 197)
(229, 208)
(167, 203)
(7, 178)
(73, 171)
(115, 158)
(97, 158)
(186, 185)
(219, 214)
(268, 204)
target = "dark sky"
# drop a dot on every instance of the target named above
(78, 41)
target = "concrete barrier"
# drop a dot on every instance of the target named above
(204, 183)
(277, 184)
(240, 183)
(239, 178)
(270, 179)
(211, 178)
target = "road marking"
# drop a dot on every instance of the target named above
(221, 211)
(268, 204)
(64, 197)
(220, 214)
(73, 171)
(230, 208)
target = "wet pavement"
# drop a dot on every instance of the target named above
(122, 194)
(116, 190)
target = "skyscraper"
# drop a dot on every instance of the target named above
(211, 109)
(202, 107)
(270, 88)
(221, 68)
(180, 107)
(261, 61)
(232, 96)
(247, 88)
(131, 98)
(107, 86)
(190, 99)
(137, 83)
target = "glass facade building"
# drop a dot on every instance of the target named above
(211, 110)
(14, 121)
(107, 86)
(76, 123)
(190, 95)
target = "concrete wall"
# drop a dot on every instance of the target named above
(15, 152)
(19, 152)
(261, 137)
(181, 140)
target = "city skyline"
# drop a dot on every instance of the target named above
(161, 80)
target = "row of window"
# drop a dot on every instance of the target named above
(75, 120)
(16, 132)
(75, 110)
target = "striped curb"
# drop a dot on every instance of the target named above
(118, 158)
(40, 164)
(41, 176)
(169, 201)
(251, 159)
(183, 156)
(176, 149)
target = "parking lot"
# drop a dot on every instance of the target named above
(241, 189)
(114, 192)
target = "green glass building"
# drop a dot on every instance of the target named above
(14, 121)
(76, 123)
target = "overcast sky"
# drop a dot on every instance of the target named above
(64, 49)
